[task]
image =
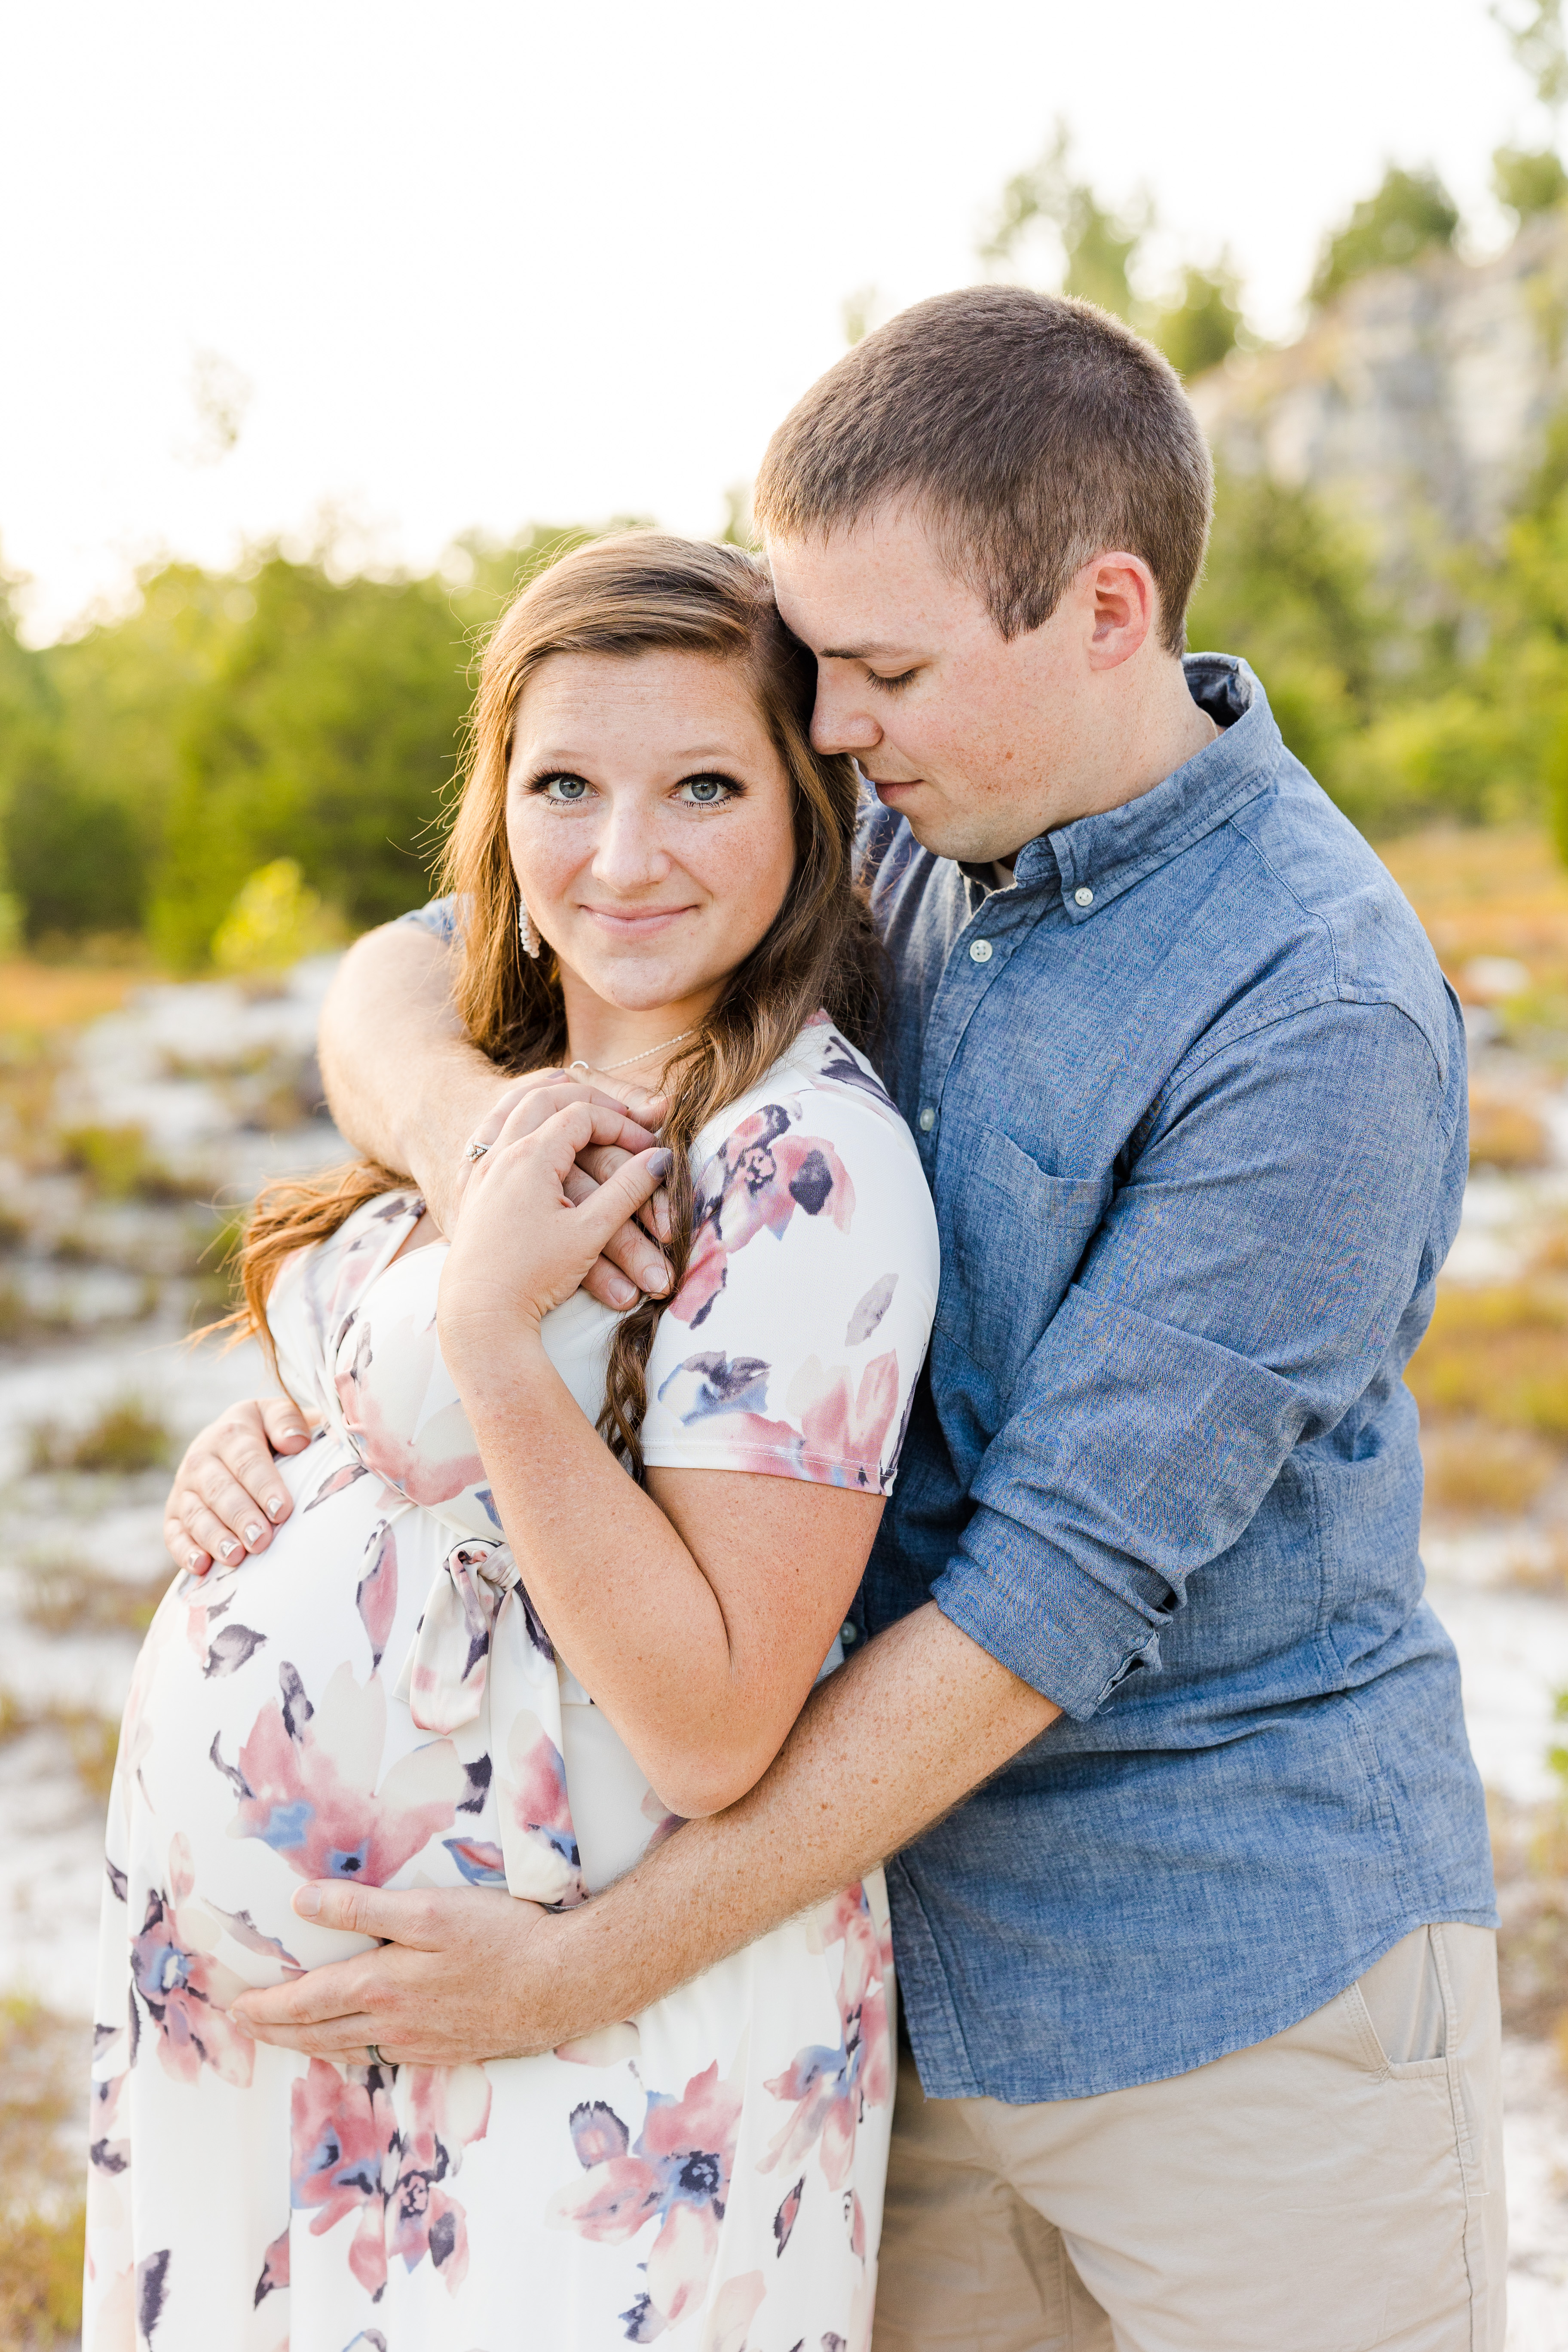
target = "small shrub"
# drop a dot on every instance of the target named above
(1499, 1354)
(1479, 1472)
(43, 2059)
(41, 2259)
(92, 1740)
(120, 1165)
(126, 1438)
(1506, 1134)
(94, 1743)
(70, 1597)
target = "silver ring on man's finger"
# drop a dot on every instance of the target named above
(376, 2059)
(476, 1151)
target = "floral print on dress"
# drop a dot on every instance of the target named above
(350, 2156)
(676, 2175)
(753, 1185)
(832, 2089)
(305, 1780)
(790, 1207)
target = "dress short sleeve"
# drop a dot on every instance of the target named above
(442, 917)
(794, 1342)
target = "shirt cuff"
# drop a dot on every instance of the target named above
(1043, 1618)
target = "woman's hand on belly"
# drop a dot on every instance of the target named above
(226, 1497)
(439, 1991)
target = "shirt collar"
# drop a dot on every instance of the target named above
(1099, 856)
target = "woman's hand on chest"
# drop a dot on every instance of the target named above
(524, 1244)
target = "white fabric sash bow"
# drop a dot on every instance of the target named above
(472, 1656)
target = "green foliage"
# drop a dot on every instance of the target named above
(325, 733)
(1412, 212)
(1291, 589)
(1534, 30)
(1098, 244)
(1529, 184)
(1196, 327)
(1204, 326)
(273, 922)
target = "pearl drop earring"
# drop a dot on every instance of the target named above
(526, 933)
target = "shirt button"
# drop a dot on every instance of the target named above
(928, 1119)
(979, 951)
(1083, 896)
(848, 1635)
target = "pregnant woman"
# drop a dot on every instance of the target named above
(553, 1577)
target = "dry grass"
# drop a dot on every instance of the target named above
(67, 1596)
(1499, 1354)
(1492, 893)
(93, 1741)
(1478, 1471)
(126, 1438)
(43, 2063)
(1505, 1133)
(36, 998)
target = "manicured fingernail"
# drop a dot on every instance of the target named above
(622, 1291)
(193, 1561)
(308, 1902)
(253, 1532)
(659, 1163)
(229, 1551)
(274, 1505)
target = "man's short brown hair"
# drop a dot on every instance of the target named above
(1033, 432)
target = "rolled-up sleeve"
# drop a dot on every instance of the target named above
(1268, 1257)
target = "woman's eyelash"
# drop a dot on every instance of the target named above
(541, 784)
(893, 683)
(731, 789)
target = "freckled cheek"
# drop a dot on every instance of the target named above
(546, 853)
(746, 874)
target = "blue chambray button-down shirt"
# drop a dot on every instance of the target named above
(1191, 1097)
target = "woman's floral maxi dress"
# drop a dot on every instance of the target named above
(376, 1696)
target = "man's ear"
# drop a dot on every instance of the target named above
(1120, 589)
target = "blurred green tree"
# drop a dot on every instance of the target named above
(1098, 244)
(1198, 325)
(1205, 325)
(1411, 213)
(1529, 184)
(1293, 589)
(326, 732)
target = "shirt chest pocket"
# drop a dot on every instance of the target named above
(1016, 1237)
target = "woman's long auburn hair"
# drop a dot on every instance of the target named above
(636, 593)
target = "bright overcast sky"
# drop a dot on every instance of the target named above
(486, 261)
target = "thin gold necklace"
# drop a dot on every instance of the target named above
(636, 1057)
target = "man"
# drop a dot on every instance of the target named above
(1190, 1878)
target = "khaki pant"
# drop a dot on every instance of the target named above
(1334, 2188)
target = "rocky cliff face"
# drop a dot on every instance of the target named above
(1417, 401)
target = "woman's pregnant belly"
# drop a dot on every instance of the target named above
(264, 1745)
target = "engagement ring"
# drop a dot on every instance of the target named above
(476, 1151)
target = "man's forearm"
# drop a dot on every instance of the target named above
(882, 1749)
(402, 1079)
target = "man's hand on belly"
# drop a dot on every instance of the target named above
(919, 1717)
(445, 1989)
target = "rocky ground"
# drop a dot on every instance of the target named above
(116, 1139)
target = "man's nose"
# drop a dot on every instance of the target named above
(840, 720)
